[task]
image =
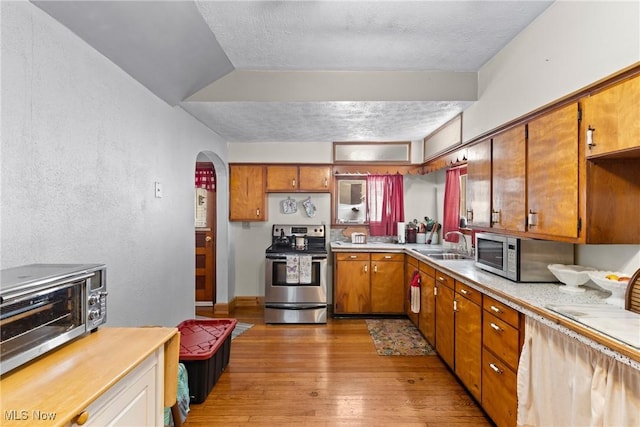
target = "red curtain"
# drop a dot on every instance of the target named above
(385, 199)
(205, 178)
(451, 212)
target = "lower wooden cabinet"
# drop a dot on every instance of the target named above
(427, 323)
(410, 266)
(444, 285)
(468, 338)
(502, 337)
(367, 283)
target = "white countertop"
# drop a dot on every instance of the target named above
(532, 299)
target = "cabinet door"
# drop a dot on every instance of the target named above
(387, 290)
(508, 178)
(444, 323)
(552, 173)
(613, 114)
(315, 178)
(499, 390)
(282, 178)
(246, 193)
(352, 286)
(411, 265)
(427, 323)
(478, 194)
(468, 344)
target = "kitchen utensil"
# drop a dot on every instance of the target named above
(433, 230)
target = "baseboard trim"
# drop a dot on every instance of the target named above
(249, 301)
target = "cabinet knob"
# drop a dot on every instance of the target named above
(82, 418)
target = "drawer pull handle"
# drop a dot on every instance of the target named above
(366, 268)
(387, 257)
(464, 291)
(375, 268)
(353, 256)
(440, 278)
(495, 368)
(495, 327)
(496, 309)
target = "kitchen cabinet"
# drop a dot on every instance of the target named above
(411, 265)
(134, 401)
(444, 285)
(387, 273)
(468, 338)
(478, 194)
(352, 294)
(611, 120)
(247, 201)
(427, 322)
(502, 337)
(369, 283)
(293, 178)
(552, 174)
(508, 177)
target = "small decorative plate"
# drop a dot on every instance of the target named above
(289, 206)
(309, 207)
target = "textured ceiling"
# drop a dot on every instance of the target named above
(163, 45)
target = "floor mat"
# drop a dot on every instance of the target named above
(240, 329)
(397, 337)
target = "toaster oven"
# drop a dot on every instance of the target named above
(43, 306)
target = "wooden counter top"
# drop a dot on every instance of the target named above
(64, 382)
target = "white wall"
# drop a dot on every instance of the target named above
(82, 145)
(569, 46)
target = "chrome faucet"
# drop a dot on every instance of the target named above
(464, 239)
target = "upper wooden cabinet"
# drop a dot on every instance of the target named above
(247, 200)
(612, 119)
(292, 178)
(508, 198)
(552, 173)
(478, 194)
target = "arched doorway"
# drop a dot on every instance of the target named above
(205, 206)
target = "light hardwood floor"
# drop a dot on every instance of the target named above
(329, 375)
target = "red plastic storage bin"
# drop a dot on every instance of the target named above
(205, 347)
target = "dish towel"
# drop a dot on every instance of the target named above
(293, 269)
(305, 269)
(415, 292)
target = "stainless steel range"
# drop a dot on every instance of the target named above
(296, 275)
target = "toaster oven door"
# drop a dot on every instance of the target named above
(32, 324)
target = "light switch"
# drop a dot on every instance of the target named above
(158, 188)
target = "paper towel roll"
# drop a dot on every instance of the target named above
(401, 232)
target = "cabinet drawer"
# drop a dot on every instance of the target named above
(502, 339)
(352, 256)
(412, 261)
(499, 390)
(387, 257)
(469, 293)
(427, 269)
(502, 311)
(444, 279)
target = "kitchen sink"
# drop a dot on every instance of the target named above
(439, 253)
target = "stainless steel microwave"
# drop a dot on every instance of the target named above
(520, 259)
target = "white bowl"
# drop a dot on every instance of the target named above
(571, 275)
(617, 288)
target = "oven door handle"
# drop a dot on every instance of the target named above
(41, 290)
(284, 257)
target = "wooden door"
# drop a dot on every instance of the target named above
(444, 321)
(205, 253)
(387, 290)
(427, 324)
(613, 115)
(282, 178)
(411, 265)
(478, 194)
(315, 178)
(552, 173)
(508, 177)
(352, 283)
(246, 193)
(468, 339)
